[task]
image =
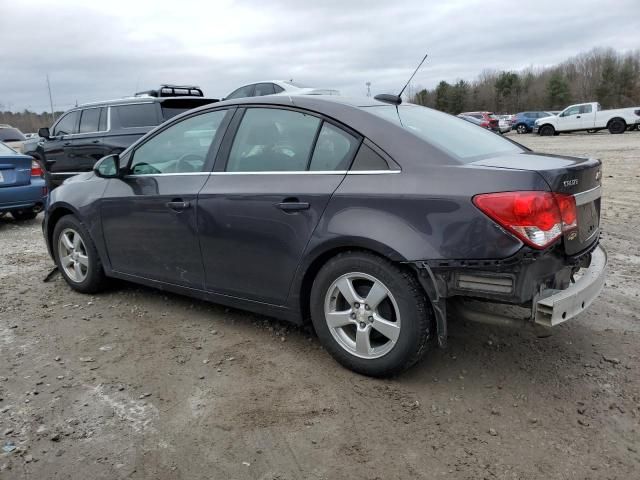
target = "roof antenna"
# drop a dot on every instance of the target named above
(397, 99)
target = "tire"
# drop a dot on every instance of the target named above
(521, 128)
(617, 126)
(22, 215)
(91, 278)
(356, 340)
(547, 131)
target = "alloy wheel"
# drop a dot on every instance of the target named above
(362, 315)
(72, 253)
(522, 129)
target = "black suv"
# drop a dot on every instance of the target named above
(84, 134)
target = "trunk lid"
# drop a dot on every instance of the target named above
(15, 170)
(580, 177)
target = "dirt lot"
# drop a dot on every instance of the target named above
(135, 383)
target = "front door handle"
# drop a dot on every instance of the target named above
(95, 141)
(66, 144)
(578, 116)
(178, 205)
(293, 205)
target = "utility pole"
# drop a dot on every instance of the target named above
(368, 89)
(53, 115)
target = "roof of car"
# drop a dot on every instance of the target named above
(146, 99)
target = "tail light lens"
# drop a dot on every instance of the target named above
(36, 169)
(637, 112)
(536, 218)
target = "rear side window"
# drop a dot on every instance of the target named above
(89, 120)
(67, 124)
(264, 89)
(367, 159)
(277, 88)
(334, 149)
(273, 140)
(135, 115)
(172, 107)
(585, 108)
(463, 140)
(11, 135)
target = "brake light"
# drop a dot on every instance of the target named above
(36, 169)
(536, 218)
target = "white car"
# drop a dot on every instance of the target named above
(504, 123)
(272, 87)
(588, 116)
(12, 137)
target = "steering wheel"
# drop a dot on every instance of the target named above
(184, 163)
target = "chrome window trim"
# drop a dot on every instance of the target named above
(588, 195)
(319, 172)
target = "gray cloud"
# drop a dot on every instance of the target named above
(98, 52)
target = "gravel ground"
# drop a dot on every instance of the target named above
(135, 383)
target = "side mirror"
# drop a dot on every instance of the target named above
(108, 167)
(44, 132)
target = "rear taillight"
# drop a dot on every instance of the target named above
(637, 112)
(36, 169)
(536, 218)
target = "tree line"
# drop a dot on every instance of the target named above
(27, 121)
(600, 75)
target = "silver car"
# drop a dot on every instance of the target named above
(273, 87)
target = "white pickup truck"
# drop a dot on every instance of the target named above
(588, 116)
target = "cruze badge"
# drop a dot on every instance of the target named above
(598, 174)
(573, 235)
(570, 183)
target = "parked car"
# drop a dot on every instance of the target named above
(504, 123)
(370, 218)
(272, 87)
(12, 137)
(23, 192)
(488, 120)
(588, 116)
(523, 122)
(84, 134)
(474, 120)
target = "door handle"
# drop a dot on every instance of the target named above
(96, 141)
(66, 144)
(293, 205)
(577, 116)
(178, 205)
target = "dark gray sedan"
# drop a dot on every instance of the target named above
(371, 219)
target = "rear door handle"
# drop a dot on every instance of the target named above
(178, 205)
(96, 141)
(293, 205)
(66, 144)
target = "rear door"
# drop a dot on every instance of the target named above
(273, 179)
(149, 216)
(587, 116)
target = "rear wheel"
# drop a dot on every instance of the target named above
(521, 128)
(372, 316)
(24, 214)
(76, 256)
(617, 126)
(547, 131)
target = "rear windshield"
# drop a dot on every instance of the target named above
(6, 150)
(464, 140)
(11, 135)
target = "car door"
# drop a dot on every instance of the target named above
(273, 179)
(570, 119)
(56, 147)
(587, 117)
(149, 216)
(87, 146)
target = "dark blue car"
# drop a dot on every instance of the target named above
(23, 190)
(523, 122)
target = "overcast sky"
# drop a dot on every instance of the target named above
(108, 49)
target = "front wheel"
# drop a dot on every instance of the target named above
(371, 315)
(76, 256)
(522, 128)
(547, 131)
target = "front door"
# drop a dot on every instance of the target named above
(258, 210)
(149, 216)
(570, 119)
(87, 147)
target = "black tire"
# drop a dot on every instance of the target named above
(547, 131)
(617, 126)
(417, 323)
(95, 279)
(521, 128)
(21, 215)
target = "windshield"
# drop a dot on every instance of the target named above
(464, 140)
(6, 150)
(11, 135)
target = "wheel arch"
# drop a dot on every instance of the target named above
(54, 214)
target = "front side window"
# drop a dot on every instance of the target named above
(273, 140)
(135, 115)
(461, 139)
(89, 120)
(334, 149)
(181, 148)
(66, 125)
(571, 111)
(242, 92)
(263, 89)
